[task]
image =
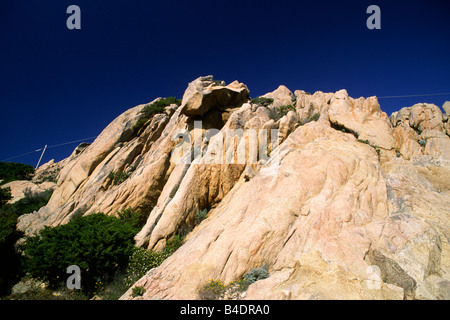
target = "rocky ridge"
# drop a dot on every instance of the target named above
(335, 198)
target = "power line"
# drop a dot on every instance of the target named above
(54, 146)
(90, 138)
(22, 155)
(416, 95)
(71, 142)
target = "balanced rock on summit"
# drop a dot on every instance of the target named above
(204, 93)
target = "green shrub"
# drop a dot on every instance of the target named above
(156, 107)
(173, 244)
(134, 217)
(364, 141)
(140, 123)
(10, 268)
(283, 110)
(99, 244)
(315, 117)
(423, 143)
(256, 274)
(142, 260)
(262, 101)
(215, 289)
(5, 196)
(10, 272)
(212, 290)
(137, 291)
(118, 177)
(10, 171)
(159, 106)
(33, 201)
(200, 215)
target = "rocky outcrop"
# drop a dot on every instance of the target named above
(20, 189)
(320, 188)
(446, 107)
(43, 180)
(421, 130)
(204, 93)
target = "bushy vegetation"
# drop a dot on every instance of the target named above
(212, 290)
(102, 246)
(256, 274)
(159, 106)
(137, 291)
(32, 201)
(200, 215)
(99, 244)
(10, 272)
(173, 244)
(283, 110)
(154, 108)
(5, 196)
(11, 171)
(314, 117)
(423, 143)
(215, 289)
(117, 177)
(262, 101)
(143, 260)
(134, 217)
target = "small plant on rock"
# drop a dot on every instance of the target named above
(256, 274)
(364, 141)
(423, 143)
(137, 291)
(212, 290)
(200, 215)
(118, 177)
(262, 101)
(284, 110)
(156, 107)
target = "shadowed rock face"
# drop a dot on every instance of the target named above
(330, 191)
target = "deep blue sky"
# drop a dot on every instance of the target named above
(59, 85)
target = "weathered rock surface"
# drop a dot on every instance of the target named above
(282, 96)
(421, 130)
(337, 200)
(204, 93)
(446, 107)
(43, 180)
(19, 189)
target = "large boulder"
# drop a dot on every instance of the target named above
(363, 117)
(204, 94)
(282, 96)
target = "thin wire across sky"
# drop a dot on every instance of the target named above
(53, 146)
(91, 138)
